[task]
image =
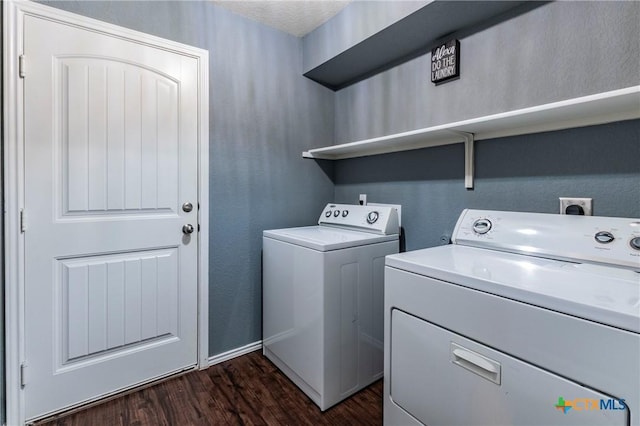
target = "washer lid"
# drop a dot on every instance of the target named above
(325, 238)
(604, 294)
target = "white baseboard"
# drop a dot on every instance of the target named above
(233, 353)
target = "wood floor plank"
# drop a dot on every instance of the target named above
(245, 391)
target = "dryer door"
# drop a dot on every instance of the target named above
(442, 378)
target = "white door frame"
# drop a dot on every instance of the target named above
(14, 12)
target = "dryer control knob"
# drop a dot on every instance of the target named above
(328, 213)
(481, 226)
(604, 237)
(336, 213)
(372, 217)
(635, 243)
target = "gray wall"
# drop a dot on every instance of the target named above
(263, 114)
(356, 22)
(522, 173)
(557, 51)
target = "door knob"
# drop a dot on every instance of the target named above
(187, 207)
(188, 228)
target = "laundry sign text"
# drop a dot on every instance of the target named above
(445, 62)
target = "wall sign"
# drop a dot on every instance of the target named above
(445, 62)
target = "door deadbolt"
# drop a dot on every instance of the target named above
(187, 207)
(188, 229)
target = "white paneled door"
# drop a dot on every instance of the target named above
(111, 130)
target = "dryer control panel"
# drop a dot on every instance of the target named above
(593, 239)
(376, 219)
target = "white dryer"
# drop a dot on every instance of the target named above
(322, 306)
(527, 319)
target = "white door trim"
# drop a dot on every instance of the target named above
(14, 12)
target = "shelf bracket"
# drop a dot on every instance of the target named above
(468, 157)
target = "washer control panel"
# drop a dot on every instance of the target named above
(377, 219)
(596, 239)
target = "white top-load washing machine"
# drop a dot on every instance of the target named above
(527, 319)
(322, 306)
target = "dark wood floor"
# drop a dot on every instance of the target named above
(248, 390)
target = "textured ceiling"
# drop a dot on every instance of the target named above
(297, 17)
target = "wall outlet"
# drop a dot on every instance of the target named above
(582, 206)
(363, 199)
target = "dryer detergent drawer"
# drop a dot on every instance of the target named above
(442, 378)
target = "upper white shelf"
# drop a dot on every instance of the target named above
(617, 105)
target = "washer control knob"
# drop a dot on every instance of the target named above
(336, 213)
(481, 226)
(372, 217)
(328, 213)
(345, 213)
(604, 237)
(635, 243)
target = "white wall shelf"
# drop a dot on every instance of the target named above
(607, 107)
